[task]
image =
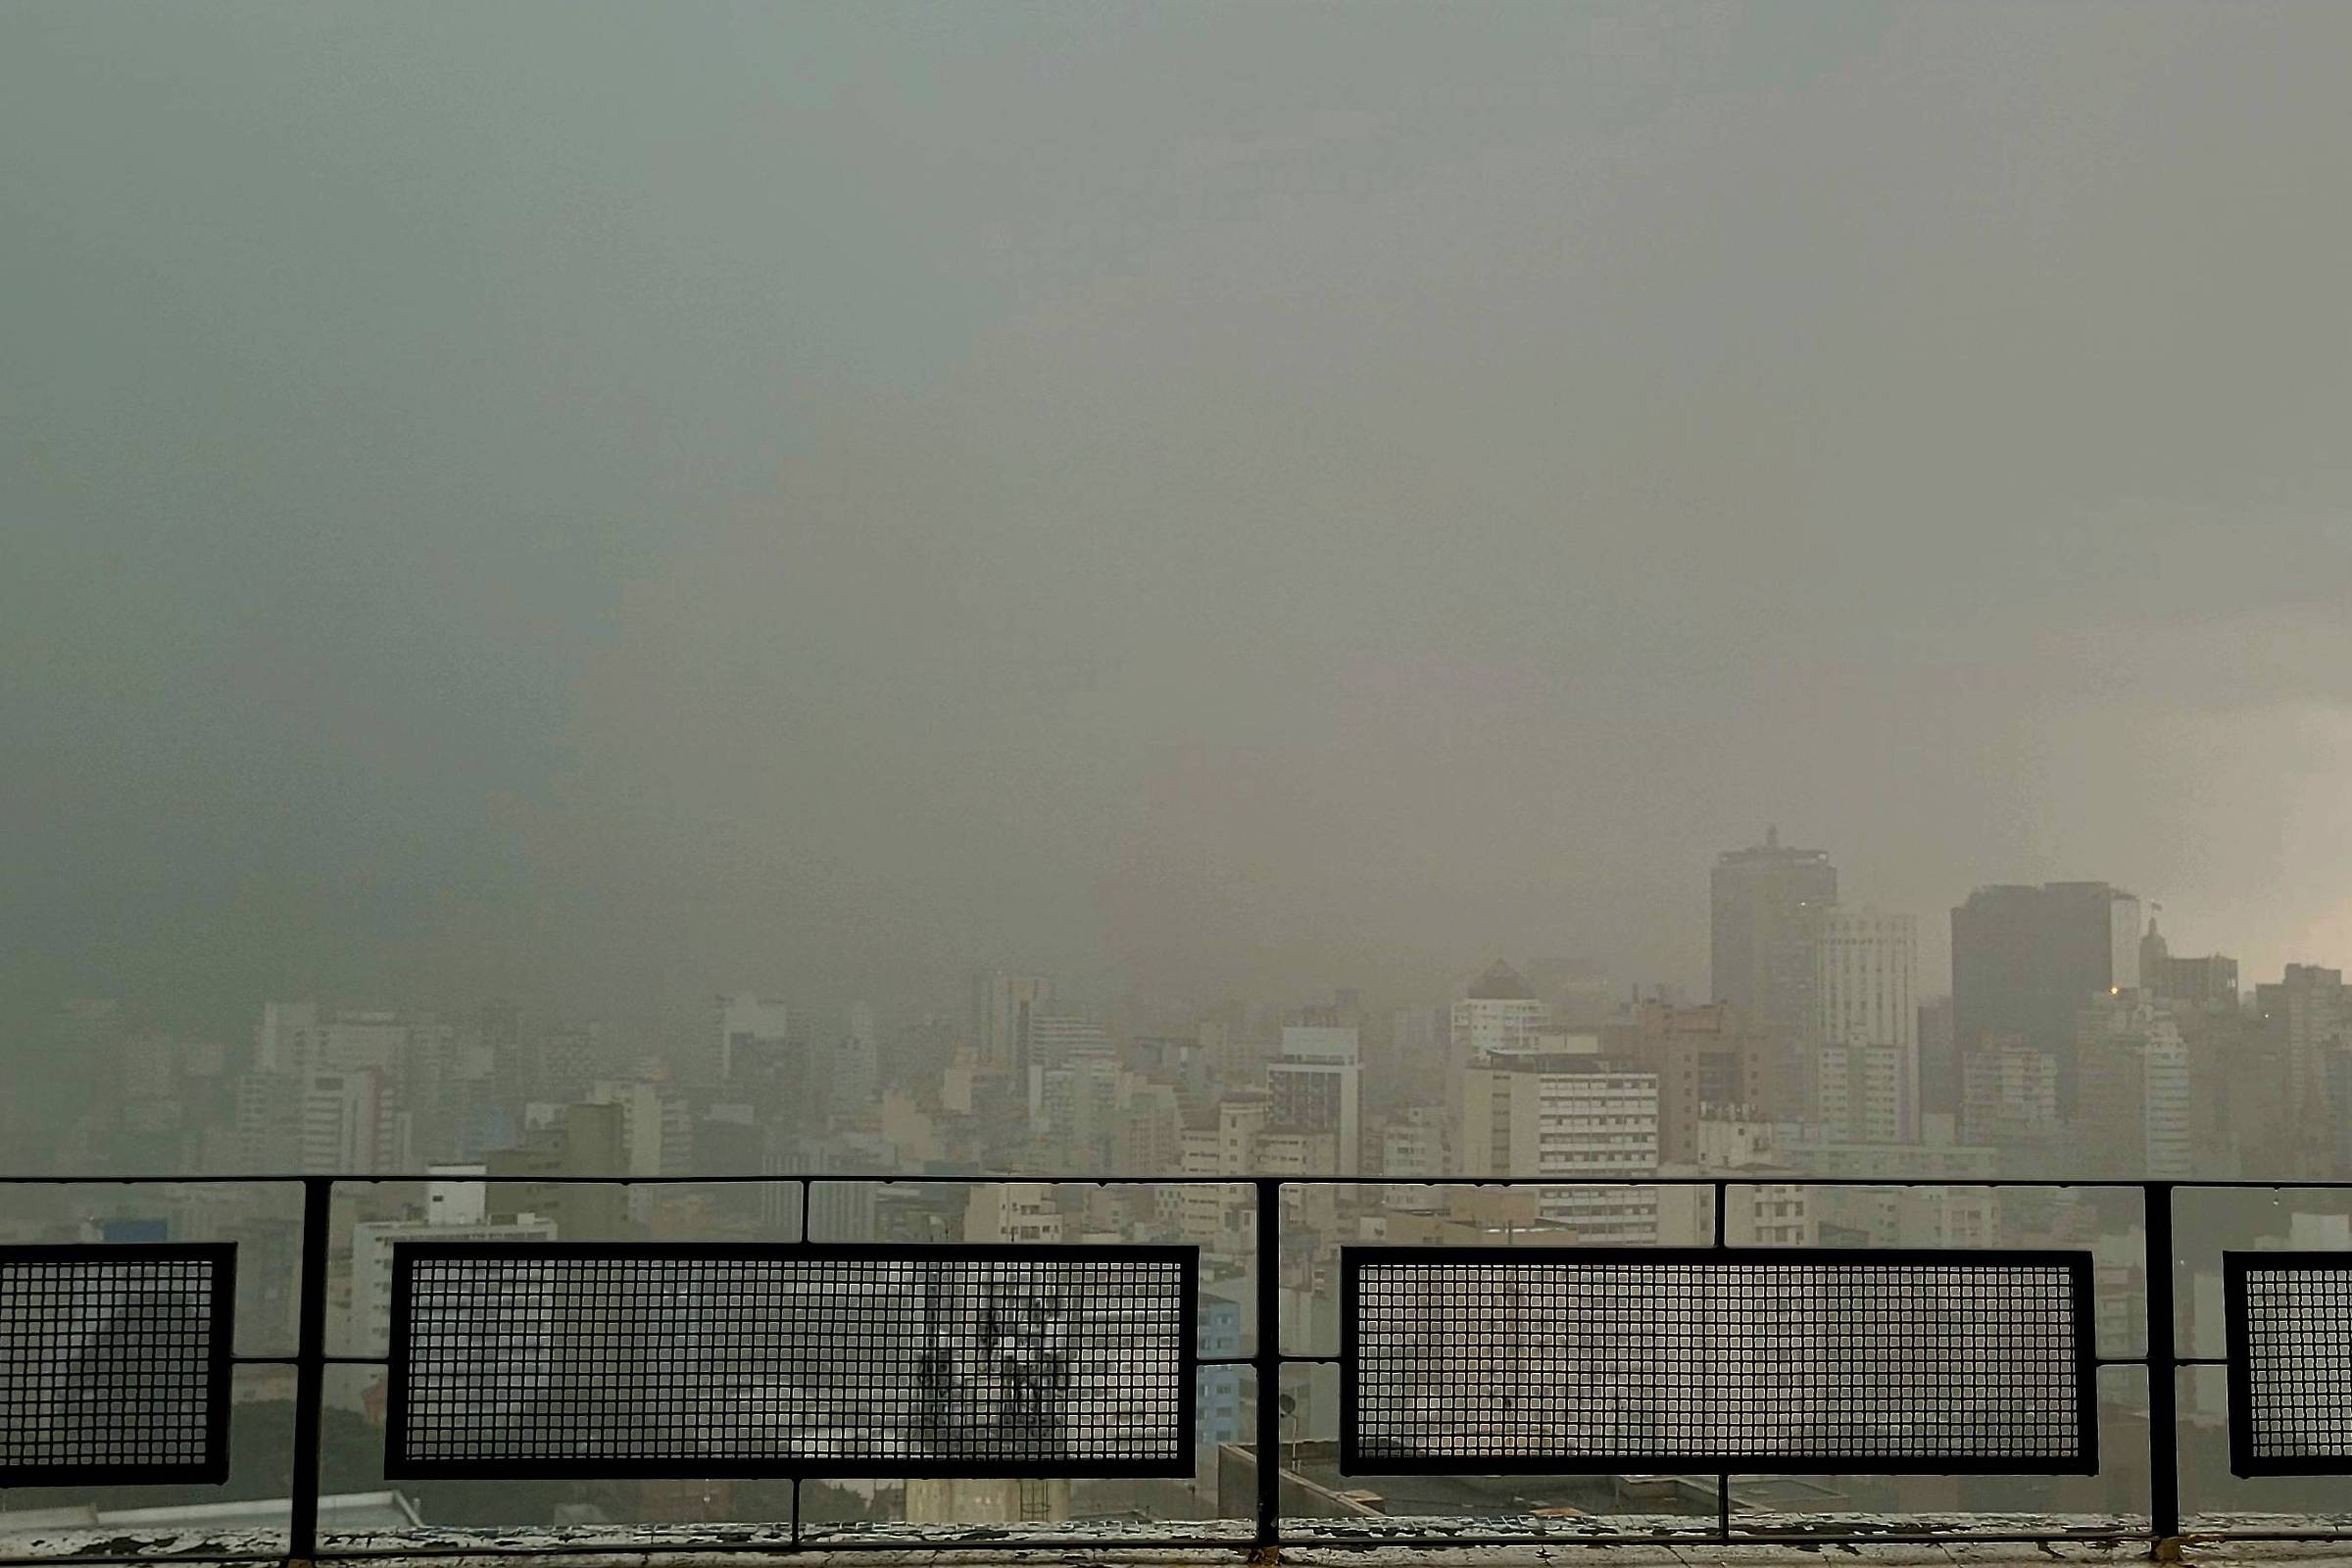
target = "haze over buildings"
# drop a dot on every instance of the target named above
(590, 510)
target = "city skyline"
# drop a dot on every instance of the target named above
(946, 993)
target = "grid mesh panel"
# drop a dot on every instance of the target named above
(788, 1361)
(114, 1363)
(2292, 1369)
(1587, 1359)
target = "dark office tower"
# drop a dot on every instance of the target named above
(2025, 961)
(1768, 903)
(1938, 1061)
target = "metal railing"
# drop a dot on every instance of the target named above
(2161, 1362)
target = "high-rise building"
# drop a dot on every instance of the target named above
(642, 1122)
(372, 1245)
(1496, 1013)
(577, 1142)
(1005, 1010)
(1566, 1115)
(745, 1025)
(1412, 1148)
(1865, 1044)
(2311, 1010)
(1939, 1063)
(2134, 1066)
(2308, 1012)
(283, 1044)
(352, 1122)
(1148, 1130)
(1062, 1040)
(2009, 1095)
(1708, 1065)
(1766, 912)
(2207, 982)
(1224, 1141)
(2025, 961)
(1317, 1086)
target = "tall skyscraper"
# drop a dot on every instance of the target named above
(1767, 905)
(1005, 1010)
(1317, 1086)
(1866, 1027)
(747, 1024)
(2025, 961)
(1939, 1063)
(2310, 1009)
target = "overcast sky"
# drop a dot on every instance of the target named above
(608, 501)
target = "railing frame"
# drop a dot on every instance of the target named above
(2162, 1362)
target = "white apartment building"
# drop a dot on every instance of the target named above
(297, 1037)
(1567, 1116)
(642, 1121)
(1765, 1205)
(455, 1197)
(1064, 1039)
(371, 1244)
(2133, 1068)
(1317, 1086)
(1497, 1013)
(1866, 1027)
(1026, 1213)
(2171, 1142)
(350, 1122)
(1218, 1217)
(1495, 1025)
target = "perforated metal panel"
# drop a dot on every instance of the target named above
(115, 1363)
(1542, 1359)
(513, 1360)
(2290, 1361)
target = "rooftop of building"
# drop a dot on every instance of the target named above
(1499, 983)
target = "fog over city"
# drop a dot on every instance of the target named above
(603, 505)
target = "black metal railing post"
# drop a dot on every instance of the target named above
(1268, 1369)
(2164, 1375)
(310, 1368)
(1723, 1483)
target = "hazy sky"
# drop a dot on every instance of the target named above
(626, 499)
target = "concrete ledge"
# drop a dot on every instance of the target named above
(1940, 1540)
